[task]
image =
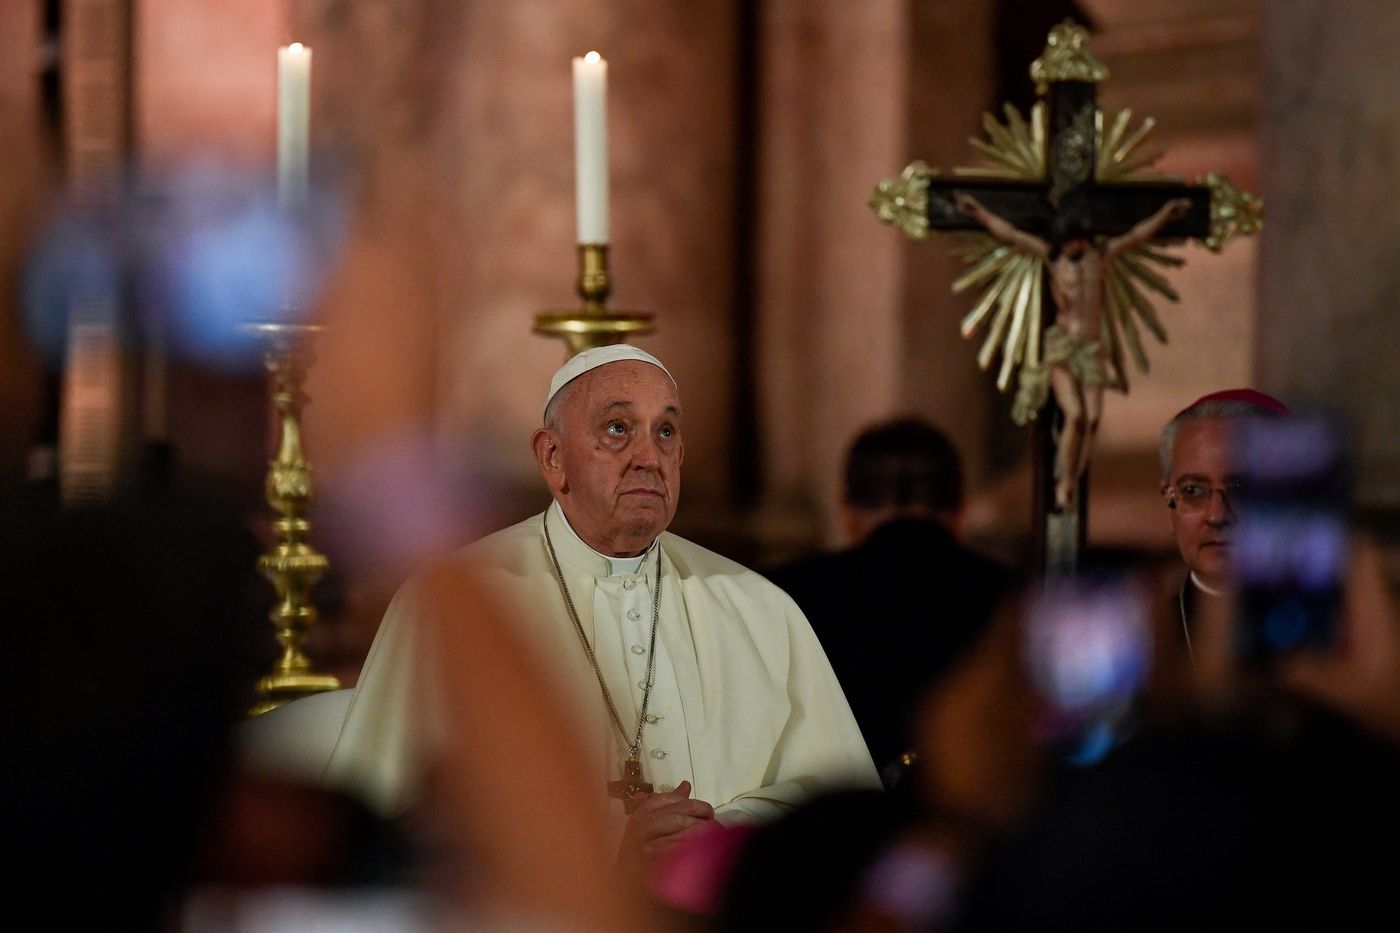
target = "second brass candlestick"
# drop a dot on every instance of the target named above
(293, 566)
(593, 325)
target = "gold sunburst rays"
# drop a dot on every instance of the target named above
(1233, 211)
(1130, 309)
(1011, 300)
(1120, 157)
(1121, 328)
(1025, 323)
(1012, 280)
(1015, 149)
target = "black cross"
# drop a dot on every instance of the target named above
(1068, 198)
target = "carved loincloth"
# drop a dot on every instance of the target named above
(1082, 358)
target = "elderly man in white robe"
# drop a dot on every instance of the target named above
(697, 685)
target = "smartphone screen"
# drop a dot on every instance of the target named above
(1290, 547)
(1088, 646)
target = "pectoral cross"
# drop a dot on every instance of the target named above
(631, 787)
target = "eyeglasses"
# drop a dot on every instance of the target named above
(1193, 498)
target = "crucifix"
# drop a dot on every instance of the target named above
(1066, 200)
(631, 787)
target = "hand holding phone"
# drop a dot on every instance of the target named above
(1360, 678)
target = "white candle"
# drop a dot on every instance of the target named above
(293, 122)
(591, 147)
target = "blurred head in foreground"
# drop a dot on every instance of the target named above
(136, 650)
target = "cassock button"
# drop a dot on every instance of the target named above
(629, 584)
(638, 649)
(653, 718)
(665, 788)
(658, 753)
(641, 685)
(633, 614)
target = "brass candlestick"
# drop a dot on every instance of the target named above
(593, 325)
(292, 565)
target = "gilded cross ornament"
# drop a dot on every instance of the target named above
(903, 201)
(1067, 58)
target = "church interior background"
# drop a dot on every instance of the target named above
(745, 139)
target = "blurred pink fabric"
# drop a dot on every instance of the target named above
(693, 875)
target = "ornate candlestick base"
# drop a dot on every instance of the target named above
(292, 565)
(593, 325)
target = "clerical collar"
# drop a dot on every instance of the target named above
(1205, 588)
(600, 564)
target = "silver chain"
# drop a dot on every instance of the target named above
(634, 746)
(1186, 629)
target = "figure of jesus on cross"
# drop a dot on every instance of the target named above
(1076, 362)
(1065, 197)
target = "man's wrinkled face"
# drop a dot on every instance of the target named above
(614, 462)
(1200, 467)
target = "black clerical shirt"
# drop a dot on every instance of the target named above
(893, 615)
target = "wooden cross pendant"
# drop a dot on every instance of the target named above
(631, 787)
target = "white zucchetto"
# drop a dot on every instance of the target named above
(581, 363)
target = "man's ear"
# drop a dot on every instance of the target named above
(854, 523)
(545, 445)
(1170, 496)
(955, 519)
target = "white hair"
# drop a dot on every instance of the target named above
(554, 411)
(1216, 408)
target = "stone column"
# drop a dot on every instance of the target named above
(952, 84)
(25, 187)
(1330, 311)
(204, 94)
(97, 415)
(855, 324)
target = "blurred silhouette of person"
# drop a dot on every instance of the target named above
(508, 805)
(134, 651)
(1265, 802)
(898, 606)
(858, 860)
(1360, 676)
(804, 872)
(1222, 823)
(143, 634)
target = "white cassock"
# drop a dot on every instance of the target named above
(744, 703)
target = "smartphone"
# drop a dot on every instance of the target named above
(1290, 544)
(1088, 646)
